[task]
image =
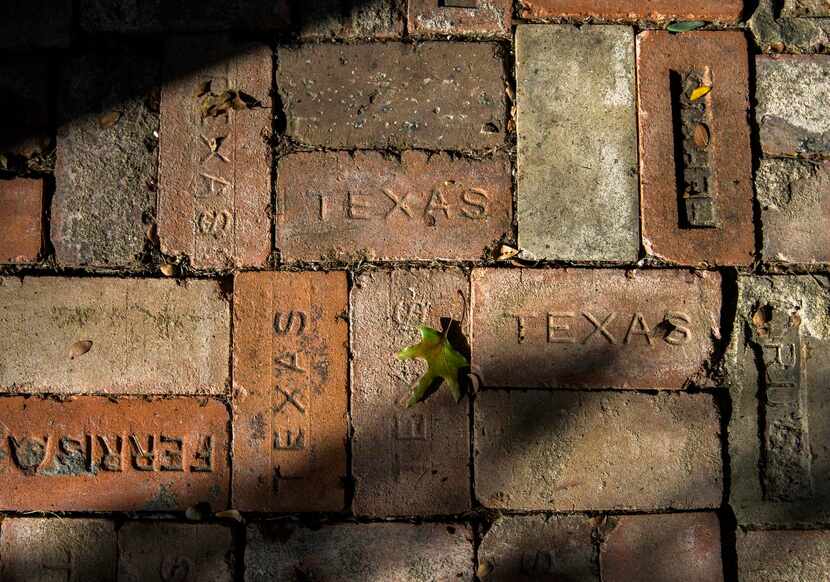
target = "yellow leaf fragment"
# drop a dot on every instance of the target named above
(701, 91)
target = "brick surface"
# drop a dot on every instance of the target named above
(657, 10)
(381, 19)
(775, 32)
(595, 328)
(98, 454)
(539, 548)
(162, 551)
(433, 95)
(696, 171)
(104, 169)
(376, 552)
(806, 8)
(779, 434)
(577, 142)
(662, 548)
(362, 205)
(290, 386)
(28, 24)
(405, 461)
(21, 220)
(24, 106)
(793, 94)
(783, 556)
(431, 17)
(49, 550)
(795, 210)
(573, 451)
(214, 170)
(148, 336)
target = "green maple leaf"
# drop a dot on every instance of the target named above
(442, 362)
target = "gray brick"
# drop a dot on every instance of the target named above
(783, 556)
(775, 31)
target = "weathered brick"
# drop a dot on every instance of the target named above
(290, 386)
(381, 19)
(24, 106)
(27, 24)
(147, 336)
(793, 94)
(539, 548)
(632, 10)
(106, 159)
(577, 142)
(805, 8)
(166, 551)
(594, 328)
(434, 17)
(662, 548)
(779, 431)
(59, 548)
(405, 461)
(370, 552)
(573, 451)
(21, 220)
(774, 32)
(695, 156)
(362, 205)
(795, 210)
(783, 556)
(434, 95)
(99, 454)
(214, 166)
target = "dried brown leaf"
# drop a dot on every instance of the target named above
(79, 348)
(109, 119)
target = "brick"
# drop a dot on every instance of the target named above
(29, 24)
(779, 432)
(100, 454)
(106, 161)
(575, 451)
(791, 126)
(795, 208)
(662, 548)
(371, 552)
(362, 205)
(432, 96)
(783, 556)
(174, 551)
(405, 461)
(538, 547)
(597, 328)
(632, 10)
(697, 211)
(435, 17)
(24, 106)
(577, 142)
(774, 32)
(379, 19)
(214, 171)
(59, 548)
(21, 220)
(805, 8)
(148, 336)
(290, 385)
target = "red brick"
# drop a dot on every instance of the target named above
(406, 461)
(149, 336)
(99, 454)
(164, 551)
(24, 105)
(594, 328)
(658, 10)
(214, 172)
(434, 17)
(569, 450)
(783, 556)
(21, 220)
(662, 548)
(349, 205)
(437, 95)
(722, 61)
(290, 386)
(57, 549)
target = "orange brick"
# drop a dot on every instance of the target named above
(659, 10)
(290, 391)
(21, 209)
(214, 170)
(99, 454)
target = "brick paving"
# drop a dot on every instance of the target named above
(220, 221)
